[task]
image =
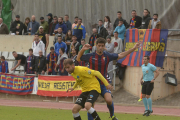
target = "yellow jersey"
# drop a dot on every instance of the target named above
(85, 78)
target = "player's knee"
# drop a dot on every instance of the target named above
(75, 110)
(88, 105)
(109, 101)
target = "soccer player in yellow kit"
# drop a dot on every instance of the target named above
(86, 78)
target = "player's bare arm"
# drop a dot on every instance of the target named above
(156, 75)
(124, 54)
(81, 52)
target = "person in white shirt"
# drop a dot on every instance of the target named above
(118, 44)
(37, 46)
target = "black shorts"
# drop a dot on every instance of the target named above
(147, 88)
(90, 96)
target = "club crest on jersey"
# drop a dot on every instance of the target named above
(104, 58)
(91, 96)
(77, 77)
(89, 72)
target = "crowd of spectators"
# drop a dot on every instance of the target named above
(69, 38)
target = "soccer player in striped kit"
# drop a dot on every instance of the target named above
(99, 61)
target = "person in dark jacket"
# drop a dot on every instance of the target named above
(61, 24)
(26, 23)
(67, 22)
(135, 21)
(17, 26)
(3, 27)
(40, 64)
(92, 39)
(33, 26)
(145, 20)
(30, 63)
(55, 19)
(116, 23)
(102, 30)
(50, 22)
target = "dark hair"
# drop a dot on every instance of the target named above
(100, 40)
(74, 36)
(109, 21)
(80, 19)
(13, 52)
(101, 21)
(67, 36)
(82, 39)
(147, 10)
(76, 17)
(60, 27)
(68, 61)
(133, 11)
(147, 57)
(31, 50)
(62, 49)
(119, 12)
(67, 15)
(2, 57)
(121, 20)
(61, 18)
(156, 14)
(59, 36)
(116, 32)
(36, 34)
(55, 17)
(74, 49)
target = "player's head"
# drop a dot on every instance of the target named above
(100, 45)
(69, 65)
(146, 59)
(14, 54)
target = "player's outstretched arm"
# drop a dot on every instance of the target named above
(124, 54)
(99, 75)
(81, 52)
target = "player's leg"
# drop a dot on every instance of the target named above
(92, 97)
(144, 98)
(75, 111)
(150, 88)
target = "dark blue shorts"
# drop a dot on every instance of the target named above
(104, 90)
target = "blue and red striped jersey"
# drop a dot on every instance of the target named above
(4, 67)
(99, 62)
(28, 71)
(61, 63)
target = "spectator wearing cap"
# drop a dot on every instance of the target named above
(17, 26)
(67, 22)
(79, 31)
(60, 44)
(118, 44)
(38, 45)
(109, 47)
(33, 26)
(30, 63)
(43, 37)
(44, 24)
(120, 29)
(60, 33)
(4, 65)
(26, 23)
(119, 17)
(51, 59)
(55, 21)
(92, 39)
(3, 27)
(61, 24)
(62, 56)
(50, 22)
(74, 44)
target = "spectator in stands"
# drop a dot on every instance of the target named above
(17, 26)
(52, 59)
(75, 22)
(60, 44)
(50, 22)
(108, 25)
(92, 39)
(33, 26)
(82, 44)
(60, 33)
(135, 21)
(109, 47)
(19, 60)
(121, 29)
(68, 40)
(0, 68)
(119, 17)
(55, 19)
(40, 64)
(30, 63)
(44, 37)
(62, 56)
(74, 44)
(102, 30)
(3, 27)
(26, 23)
(4, 65)
(74, 56)
(145, 20)
(38, 45)
(118, 44)
(44, 24)
(61, 24)
(79, 31)
(67, 22)
(155, 23)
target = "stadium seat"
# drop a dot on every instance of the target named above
(0, 53)
(26, 54)
(10, 65)
(5, 54)
(20, 68)
(10, 57)
(16, 72)
(20, 53)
